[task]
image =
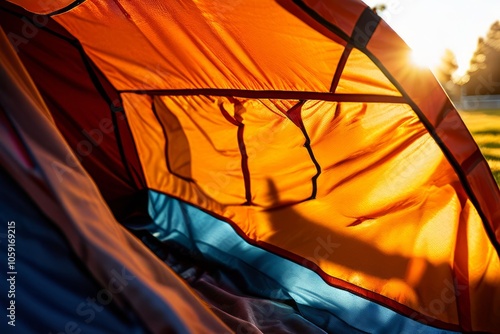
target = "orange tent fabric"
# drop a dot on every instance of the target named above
(300, 124)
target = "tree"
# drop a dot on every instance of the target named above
(444, 72)
(447, 67)
(483, 76)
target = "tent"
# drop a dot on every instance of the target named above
(236, 166)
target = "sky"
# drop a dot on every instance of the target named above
(431, 26)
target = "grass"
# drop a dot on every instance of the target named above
(485, 128)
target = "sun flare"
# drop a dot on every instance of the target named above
(424, 59)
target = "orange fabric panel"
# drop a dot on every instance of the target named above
(349, 138)
(212, 154)
(42, 6)
(400, 254)
(477, 267)
(389, 195)
(209, 156)
(177, 148)
(200, 44)
(367, 190)
(425, 91)
(278, 162)
(151, 144)
(362, 76)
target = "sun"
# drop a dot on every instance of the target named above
(423, 58)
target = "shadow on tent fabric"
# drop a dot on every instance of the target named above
(356, 255)
(363, 257)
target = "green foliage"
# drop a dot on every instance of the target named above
(447, 67)
(483, 76)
